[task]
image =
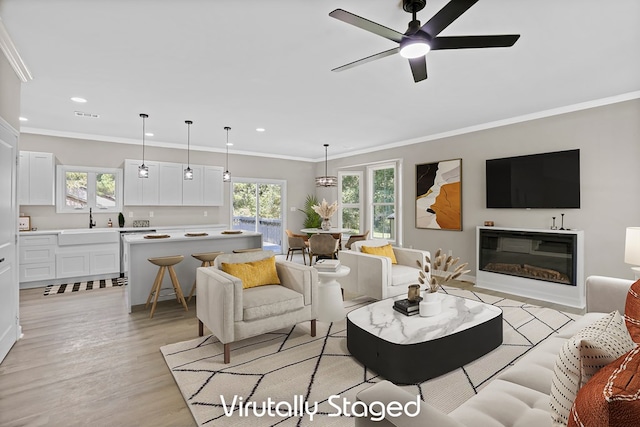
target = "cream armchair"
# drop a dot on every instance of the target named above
(232, 313)
(375, 276)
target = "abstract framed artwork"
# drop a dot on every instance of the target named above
(439, 195)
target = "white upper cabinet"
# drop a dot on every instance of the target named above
(192, 189)
(37, 178)
(140, 191)
(166, 185)
(213, 186)
(170, 177)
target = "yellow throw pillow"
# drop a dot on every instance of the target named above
(256, 273)
(386, 250)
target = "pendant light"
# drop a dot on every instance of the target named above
(188, 172)
(326, 180)
(143, 170)
(226, 176)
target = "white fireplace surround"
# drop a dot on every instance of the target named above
(573, 296)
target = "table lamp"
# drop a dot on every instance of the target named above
(632, 249)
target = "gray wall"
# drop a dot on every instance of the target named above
(609, 141)
(608, 137)
(79, 152)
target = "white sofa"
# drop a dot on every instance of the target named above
(375, 276)
(520, 395)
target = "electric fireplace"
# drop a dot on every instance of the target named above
(541, 264)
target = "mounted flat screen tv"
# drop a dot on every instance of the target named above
(546, 181)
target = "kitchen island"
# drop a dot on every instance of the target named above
(141, 273)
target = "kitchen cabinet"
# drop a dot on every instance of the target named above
(36, 175)
(170, 178)
(87, 253)
(37, 254)
(166, 185)
(192, 189)
(213, 187)
(141, 191)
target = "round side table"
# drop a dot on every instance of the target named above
(330, 304)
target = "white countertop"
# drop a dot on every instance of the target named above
(125, 229)
(139, 238)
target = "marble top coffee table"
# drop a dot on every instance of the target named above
(411, 349)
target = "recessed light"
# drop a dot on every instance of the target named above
(260, 129)
(148, 134)
(78, 99)
(24, 119)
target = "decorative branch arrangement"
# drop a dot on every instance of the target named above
(326, 210)
(445, 265)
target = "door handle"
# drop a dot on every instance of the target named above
(1, 259)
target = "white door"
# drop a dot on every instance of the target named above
(9, 329)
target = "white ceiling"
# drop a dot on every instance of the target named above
(266, 63)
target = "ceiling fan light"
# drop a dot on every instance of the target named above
(414, 49)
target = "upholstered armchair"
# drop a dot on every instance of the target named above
(233, 313)
(375, 275)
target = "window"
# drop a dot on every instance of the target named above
(350, 209)
(258, 205)
(80, 188)
(382, 193)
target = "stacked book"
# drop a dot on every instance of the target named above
(328, 265)
(406, 307)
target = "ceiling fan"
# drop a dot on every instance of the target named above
(418, 40)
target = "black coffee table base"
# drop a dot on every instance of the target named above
(415, 363)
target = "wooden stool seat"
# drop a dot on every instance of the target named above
(165, 263)
(207, 259)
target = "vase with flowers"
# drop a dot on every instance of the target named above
(326, 210)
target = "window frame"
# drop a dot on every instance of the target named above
(61, 187)
(359, 205)
(397, 203)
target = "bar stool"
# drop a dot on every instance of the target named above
(241, 251)
(166, 262)
(207, 261)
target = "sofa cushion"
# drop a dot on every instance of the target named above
(612, 395)
(632, 311)
(402, 275)
(503, 403)
(267, 301)
(581, 357)
(254, 273)
(385, 250)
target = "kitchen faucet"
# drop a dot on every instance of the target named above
(92, 223)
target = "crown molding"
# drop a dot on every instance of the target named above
(12, 55)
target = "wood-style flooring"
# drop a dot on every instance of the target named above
(85, 361)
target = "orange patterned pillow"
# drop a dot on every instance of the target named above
(611, 397)
(632, 312)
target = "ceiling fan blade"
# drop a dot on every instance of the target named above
(368, 59)
(418, 68)
(366, 25)
(446, 16)
(470, 42)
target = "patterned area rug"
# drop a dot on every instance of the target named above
(291, 366)
(84, 286)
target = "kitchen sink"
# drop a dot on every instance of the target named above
(87, 237)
